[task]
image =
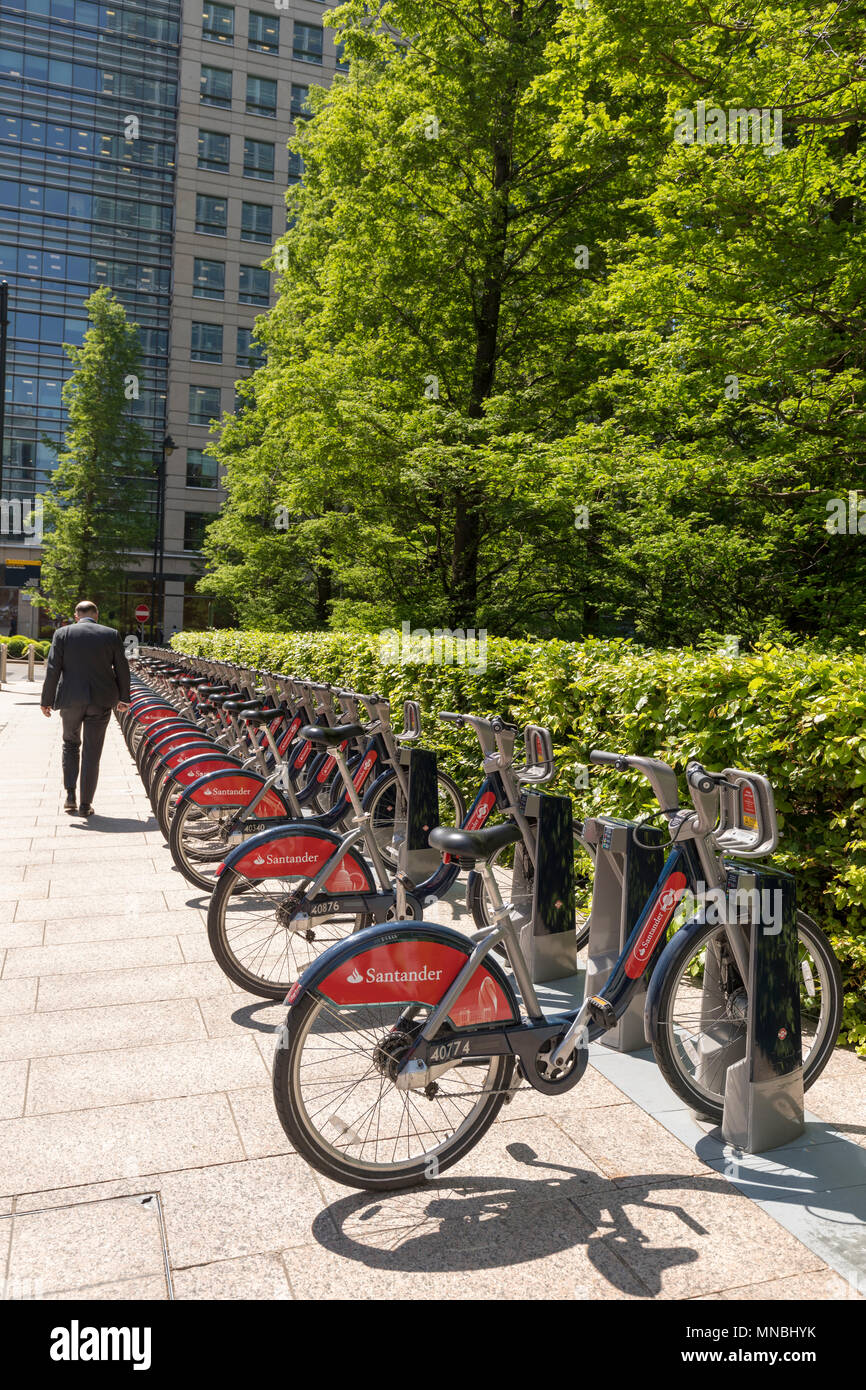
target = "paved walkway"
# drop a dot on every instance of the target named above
(140, 1156)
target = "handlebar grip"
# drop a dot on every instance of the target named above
(700, 780)
(450, 718)
(597, 756)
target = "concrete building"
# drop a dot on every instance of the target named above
(142, 146)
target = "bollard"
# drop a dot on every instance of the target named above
(31, 662)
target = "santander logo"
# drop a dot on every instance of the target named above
(356, 978)
(655, 924)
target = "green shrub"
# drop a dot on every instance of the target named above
(795, 714)
(18, 646)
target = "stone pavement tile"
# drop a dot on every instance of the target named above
(64, 880)
(820, 1284)
(153, 982)
(255, 1277)
(627, 1144)
(17, 996)
(16, 890)
(120, 1076)
(467, 1243)
(249, 1208)
(256, 1118)
(90, 1244)
(693, 1236)
(5, 1206)
(14, 934)
(88, 1192)
(13, 1088)
(592, 1092)
(186, 896)
(839, 1095)
(120, 851)
(62, 1031)
(196, 947)
(128, 1290)
(125, 904)
(17, 848)
(225, 1015)
(117, 928)
(91, 955)
(42, 1151)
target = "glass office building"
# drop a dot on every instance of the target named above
(88, 96)
(142, 147)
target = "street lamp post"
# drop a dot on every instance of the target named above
(157, 582)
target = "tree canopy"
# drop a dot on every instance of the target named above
(542, 363)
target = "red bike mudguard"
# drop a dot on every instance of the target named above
(154, 712)
(405, 963)
(286, 851)
(185, 769)
(236, 788)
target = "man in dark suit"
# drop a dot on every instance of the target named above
(86, 678)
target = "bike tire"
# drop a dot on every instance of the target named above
(288, 1098)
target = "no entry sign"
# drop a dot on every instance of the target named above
(142, 613)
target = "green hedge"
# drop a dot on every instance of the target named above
(795, 714)
(19, 647)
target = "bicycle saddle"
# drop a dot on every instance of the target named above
(320, 733)
(261, 716)
(469, 845)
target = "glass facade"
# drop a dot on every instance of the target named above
(88, 95)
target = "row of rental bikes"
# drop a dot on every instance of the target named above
(323, 836)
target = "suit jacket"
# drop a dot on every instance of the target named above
(86, 666)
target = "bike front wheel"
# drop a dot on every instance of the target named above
(336, 1099)
(703, 1014)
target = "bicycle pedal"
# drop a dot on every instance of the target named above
(601, 1011)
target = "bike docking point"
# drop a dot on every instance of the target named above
(626, 872)
(547, 934)
(415, 857)
(763, 1107)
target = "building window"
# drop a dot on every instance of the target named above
(307, 47)
(216, 86)
(211, 215)
(256, 219)
(264, 33)
(296, 166)
(340, 53)
(213, 151)
(207, 342)
(201, 469)
(208, 279)
(258, 160)
(261, 96)
(300, 101)
(194, 526)
(204, 404)
(254, 286)
(249, 353)
(218, 23)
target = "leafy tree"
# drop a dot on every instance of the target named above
(96, 507)
(512, 301)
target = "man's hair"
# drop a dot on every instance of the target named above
(86, 609)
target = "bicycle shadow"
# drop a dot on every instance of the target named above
(478, 1224)
(113, 825)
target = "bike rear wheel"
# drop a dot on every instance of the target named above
(253, 939)
(695, 1044)
(337, 1102)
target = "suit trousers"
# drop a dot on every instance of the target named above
(93, 720)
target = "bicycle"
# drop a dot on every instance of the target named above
(380, 1021)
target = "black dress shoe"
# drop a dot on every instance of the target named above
(87, 811)
(70, 804)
